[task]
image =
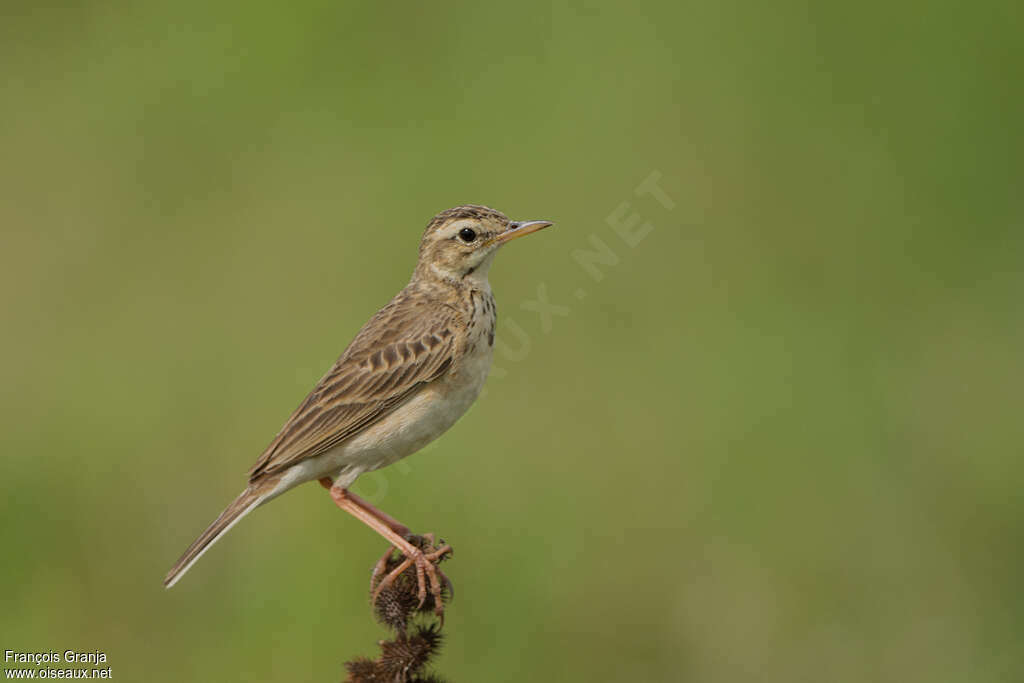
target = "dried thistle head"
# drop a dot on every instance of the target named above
(405, 656)
(396, 605)
(362, 670)
(403, 659)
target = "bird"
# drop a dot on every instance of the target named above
(406, 377)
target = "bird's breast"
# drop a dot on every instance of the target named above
(432, 410)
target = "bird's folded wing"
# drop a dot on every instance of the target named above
(389, 361)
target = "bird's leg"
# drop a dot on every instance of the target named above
(396, 526)
(423, 561)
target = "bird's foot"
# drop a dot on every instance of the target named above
(424, 557)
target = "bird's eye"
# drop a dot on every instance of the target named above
(467, 235)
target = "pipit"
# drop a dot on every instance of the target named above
(409, 374)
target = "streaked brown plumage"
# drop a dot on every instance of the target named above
(405, 378)
(406, 344)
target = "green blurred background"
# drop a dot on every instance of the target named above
(779, 439)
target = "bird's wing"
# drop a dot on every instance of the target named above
(406, 345)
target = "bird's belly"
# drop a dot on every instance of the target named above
(414, 424)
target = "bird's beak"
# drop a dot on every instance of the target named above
(517, 229)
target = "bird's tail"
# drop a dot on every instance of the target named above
(249, 499)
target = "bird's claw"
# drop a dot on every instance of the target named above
(424, 557)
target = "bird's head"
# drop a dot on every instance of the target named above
(461, 242)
